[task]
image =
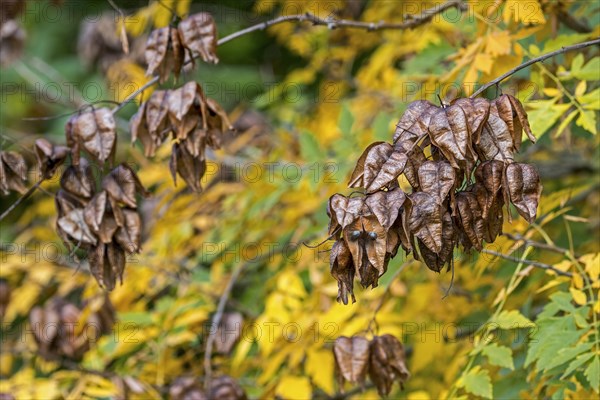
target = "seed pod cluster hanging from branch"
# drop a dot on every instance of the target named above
(459, 161)
(194, 121)
(170, 47)
(104, 223)
(55, 327)
(382, 359)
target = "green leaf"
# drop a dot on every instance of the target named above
(564, 40)
(592, 373)
(589, 72)
(578, 362)
(564, 301)
(512, 320)
(499, 355)
(566, 355)
(380, 127)
(545, 114)
(139, 318)
(477, 381)
(590, 100)
(587, 120)
(565, 122)
(346, 120)
(310, 148)
(577, 64)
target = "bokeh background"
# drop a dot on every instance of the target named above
(305, 102)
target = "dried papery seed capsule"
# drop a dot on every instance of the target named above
(351, 358)
(49, 157)
(187, 388)
(198, 34)
(13, 172)
(387, 363)
(225, 387)
(342, 270)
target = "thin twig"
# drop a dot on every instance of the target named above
(533, 61)
(331, 23)
(538, 245)
(413, 22)
(536, 264)
(216, 321)
(28, 193)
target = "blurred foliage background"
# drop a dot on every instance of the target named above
(306, 101)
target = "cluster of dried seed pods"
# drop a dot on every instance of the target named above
(61, 330)
(194, 121)
(170, 47)
(382, 358)
(104, 223)
(459, 161)
(222, 387)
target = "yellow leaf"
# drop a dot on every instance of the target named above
(498, 43)
(577, 281)
(294, 387)
(580, 89)
(592, 265)
(483, 62)
(125, 78)
(418, 395)
(527, 12)
(578, 296)
(551, 92)
(319, 366)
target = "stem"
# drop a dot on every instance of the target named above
(413, 22)
(533, 61)
(536, 264)
(28, 193)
